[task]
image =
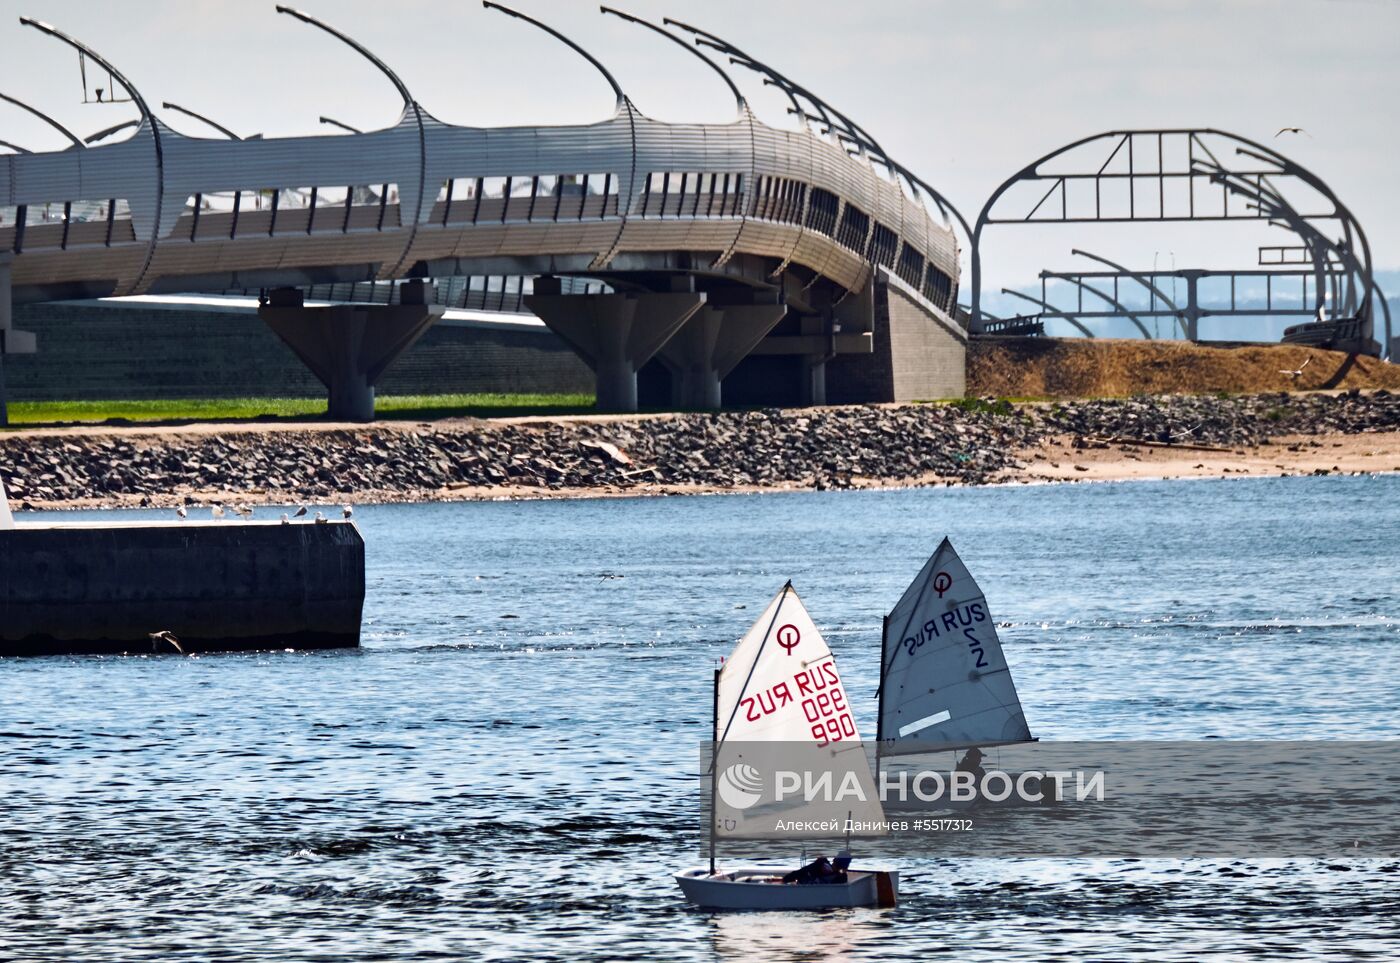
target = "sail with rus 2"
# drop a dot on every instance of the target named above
(945, 684)
(780, 705)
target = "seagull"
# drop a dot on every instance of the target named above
(299, 512)
(1297, 373)
(217, 511)
(346, 511)
(1291, 130)
(285, 519)
(165, 635)
(320, 519)
(243, 511)
(181, 512)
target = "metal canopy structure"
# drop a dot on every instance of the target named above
(1178, 175)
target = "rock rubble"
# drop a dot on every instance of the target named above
(970, 442)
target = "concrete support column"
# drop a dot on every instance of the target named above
(812, 390)
(614, 333)
(6, 320)
(11, 341)
(349, 346)
(709, 345)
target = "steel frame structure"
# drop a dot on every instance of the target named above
(1257, 186)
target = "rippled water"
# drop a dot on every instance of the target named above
(505, 769)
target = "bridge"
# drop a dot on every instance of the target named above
(703, 243)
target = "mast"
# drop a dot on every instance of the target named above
(880, 695)
(714, 767)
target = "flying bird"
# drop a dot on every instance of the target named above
(1291, 130)
(167, 636)
(1297, 372)
(299, 512)
(181, 512)
(217, 511)
(243, 511)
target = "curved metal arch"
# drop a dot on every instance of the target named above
(15, 147)
(1081, 283)
(109, 131)
(1140, 278)
(1286, 165)
(358, 47)
(97, 58)
(1272, 204)
(409, 105)
(146, 118)
(856, 134)
(44, 117)
(740, 102)
(1047, 308)
(1344, 214)
(167, 105)
(612, 81)
(337, 123)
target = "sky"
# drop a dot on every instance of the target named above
(964, 94)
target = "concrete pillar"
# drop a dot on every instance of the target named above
(349, 346)
(614, 333)
(812, 390)
(709, 345)
(11, 341)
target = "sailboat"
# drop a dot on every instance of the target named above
(780, 685)
(945, 684)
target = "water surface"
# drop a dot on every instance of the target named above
(505, 769)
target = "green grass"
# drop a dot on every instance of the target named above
(389, 407)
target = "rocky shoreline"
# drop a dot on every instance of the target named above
(971, 442)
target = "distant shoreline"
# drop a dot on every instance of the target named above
(858, 447)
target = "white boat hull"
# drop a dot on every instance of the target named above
(761, 888)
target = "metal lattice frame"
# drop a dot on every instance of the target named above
(1257, 184)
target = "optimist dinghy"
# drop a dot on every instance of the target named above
(945, 685)
(783, 654)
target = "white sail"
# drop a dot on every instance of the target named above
(780, 683)
(781, 708)
(945, 681)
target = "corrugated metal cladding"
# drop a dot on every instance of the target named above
(751, 164)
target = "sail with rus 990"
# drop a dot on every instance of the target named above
(945, 683)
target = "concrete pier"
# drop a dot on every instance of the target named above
(217, 585)
(614, 333)
(709, 345)
(348, 346)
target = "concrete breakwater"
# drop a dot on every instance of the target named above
(969, 442)
(107, 588)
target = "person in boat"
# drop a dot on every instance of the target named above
(972, 762)
(819, 870)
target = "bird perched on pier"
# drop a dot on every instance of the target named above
(285, 519)
(181, 512)
(217, 510)
(1291, 130)
(321, 519)
(168, 637)
(299, 512)
(346, 511)
(1297, 372)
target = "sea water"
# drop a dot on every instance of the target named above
(506, 769)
